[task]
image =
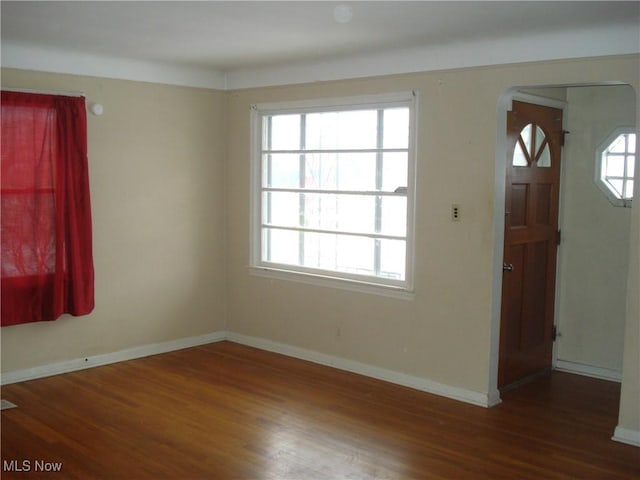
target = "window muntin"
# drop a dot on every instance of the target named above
(615, 166)
(333, 189)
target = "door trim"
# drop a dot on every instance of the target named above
(539, 100)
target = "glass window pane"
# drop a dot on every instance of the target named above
(527, 137)
(355, 255)
(356, 171)
(519, 158)
(618, 145)
(281, 209)
(284, 133)
(320, 171)
(343, 253)
(628, 193)
(281, 170)
(616, 186)
(545, 157)
(320, 250)
(394, 216)
(631, 166)
(396, 128)
(632, 143)
(395, 171)
(393, 258)
(347, 213)
(280, 246)
(342, 130)
(344, 171)
(614, 166)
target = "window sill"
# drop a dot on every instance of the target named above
(332, 282)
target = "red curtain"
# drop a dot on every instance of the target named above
(47, 260)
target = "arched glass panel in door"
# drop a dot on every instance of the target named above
(532, 147)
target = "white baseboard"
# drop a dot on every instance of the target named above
(621, 434)
(455, 393)
(425, 385)
(588, 370)
(108, 358)
(625, 435)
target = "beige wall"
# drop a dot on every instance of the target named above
(157, 160)
(442, 334)
(594, 255)
(156, 173)
(447, 332)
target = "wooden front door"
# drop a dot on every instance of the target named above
(531, 240)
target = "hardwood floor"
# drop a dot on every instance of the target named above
(226, 411)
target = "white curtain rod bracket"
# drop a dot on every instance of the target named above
(97, 109)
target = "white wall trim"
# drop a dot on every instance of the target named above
(540, 100)
(588, 370)
(108, 358)
(625, 435)
(424, 385)
(621, 434)
(581, 43)
(46, 59)
(457, 393)
(548, 46)
(331, 282)
(398, 378)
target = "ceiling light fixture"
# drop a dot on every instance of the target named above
(343, 13)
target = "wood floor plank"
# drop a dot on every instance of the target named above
(226, 411)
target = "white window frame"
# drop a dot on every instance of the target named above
(361, 283)
(599, 176)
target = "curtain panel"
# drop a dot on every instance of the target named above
(45, 217)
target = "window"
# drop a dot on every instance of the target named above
(47, 265)
(333, 189)
(615, 165)
(532, 147)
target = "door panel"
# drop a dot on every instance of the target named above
(530, 250)
(519, 195)
(544, 198)
(535, 297)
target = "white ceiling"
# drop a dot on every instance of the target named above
(233, 41)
